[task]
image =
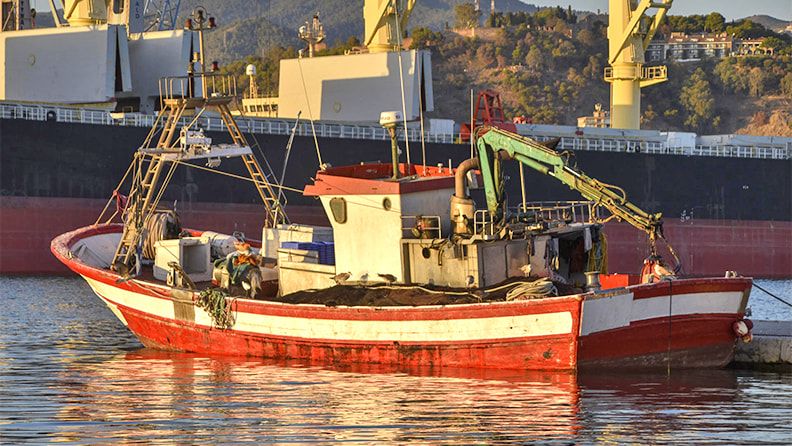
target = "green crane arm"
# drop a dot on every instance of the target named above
(549, 162)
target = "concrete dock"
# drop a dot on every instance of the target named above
(771, 347)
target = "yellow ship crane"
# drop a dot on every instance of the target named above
(629, 33)
(495, 144)
(384, 20)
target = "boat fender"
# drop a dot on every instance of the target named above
(742, 329)
(654, 270)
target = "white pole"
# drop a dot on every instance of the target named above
(472, 124)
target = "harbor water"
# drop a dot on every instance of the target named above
(70, 372)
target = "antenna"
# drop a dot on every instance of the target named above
(250, 71)
(312, 33)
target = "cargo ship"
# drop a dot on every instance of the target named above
(727, 199)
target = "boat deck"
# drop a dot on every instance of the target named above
(378, 294)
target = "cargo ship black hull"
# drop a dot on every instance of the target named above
(720, 211)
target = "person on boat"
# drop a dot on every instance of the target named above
(240, 262)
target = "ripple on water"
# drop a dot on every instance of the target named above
(70, 372)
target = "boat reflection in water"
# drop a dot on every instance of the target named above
(148, 395)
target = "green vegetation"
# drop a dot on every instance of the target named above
(697, 100)
(267, 70)
(466, 16)
(548, 66)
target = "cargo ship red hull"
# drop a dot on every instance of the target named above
(706, 247)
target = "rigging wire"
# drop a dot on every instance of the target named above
(401, 83)
(421, 112)
(288, 152)
(281, 205)
(238, 177)
(110, 200)
(310, 114)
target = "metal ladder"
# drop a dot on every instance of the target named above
(274, 211)
(142, 197)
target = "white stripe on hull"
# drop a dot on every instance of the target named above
(606, 313)
(683, 304)
(454, 330)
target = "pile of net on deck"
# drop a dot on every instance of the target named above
(411, 295)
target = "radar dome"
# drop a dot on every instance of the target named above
(250, 70)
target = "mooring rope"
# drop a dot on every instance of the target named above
(773, 295)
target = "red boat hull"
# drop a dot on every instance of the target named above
(613, 329)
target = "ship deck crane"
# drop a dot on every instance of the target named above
(496, 144)
(384, 20)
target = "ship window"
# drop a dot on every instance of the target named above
(386, 204)
(338, 209)
(118, 6)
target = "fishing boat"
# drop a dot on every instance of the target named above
(410, 271)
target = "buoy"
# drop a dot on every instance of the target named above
(742, 329)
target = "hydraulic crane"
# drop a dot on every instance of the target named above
(495, 145)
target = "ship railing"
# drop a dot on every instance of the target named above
(276, 126)
(597, 144)
(325, 130)
(565, 211)
(422, 226)
(190, 86)
(484, 224)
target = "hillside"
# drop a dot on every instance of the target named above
(547, 65)
(550, 77)
(768, 22)
(271, 23)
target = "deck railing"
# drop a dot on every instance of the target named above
(277, 126)
(566, 211)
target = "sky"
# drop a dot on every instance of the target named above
(731, 9)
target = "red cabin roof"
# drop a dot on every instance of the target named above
(375, 179)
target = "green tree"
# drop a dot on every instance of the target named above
(587, 37)
(786, 85)
(466, 15)
(593, 68)
(696, 98)
(730, 76)
(534, 59)
(757, 82)
(423, 38)
(714, 23)
(517, 54)
(773, 42)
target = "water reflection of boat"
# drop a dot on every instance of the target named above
(291, 400)
(148, 394)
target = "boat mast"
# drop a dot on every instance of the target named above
(155, 164)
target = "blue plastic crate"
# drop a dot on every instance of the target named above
(327, 253)
(309, 246)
